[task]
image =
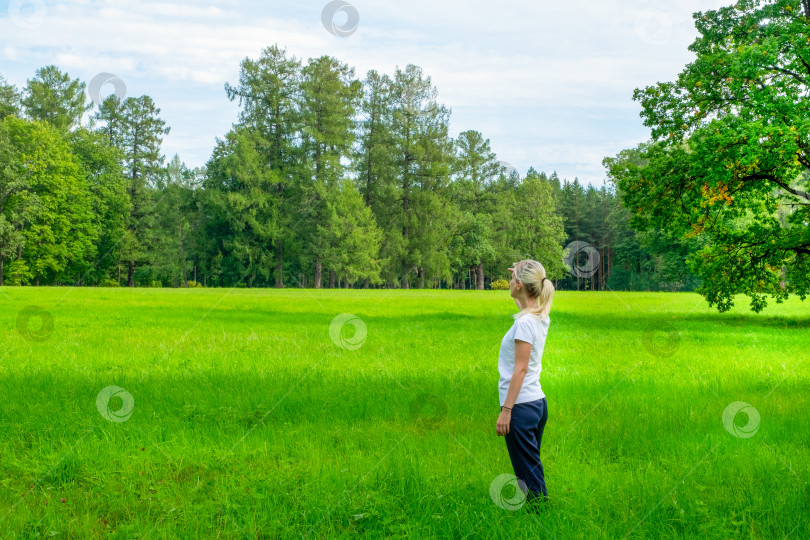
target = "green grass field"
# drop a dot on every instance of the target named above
(249, 421)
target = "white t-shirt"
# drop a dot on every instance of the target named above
(531, 329)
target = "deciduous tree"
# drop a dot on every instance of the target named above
(730, 148)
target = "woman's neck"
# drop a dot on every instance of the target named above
(529, 303)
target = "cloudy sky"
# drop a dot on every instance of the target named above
(550, 84)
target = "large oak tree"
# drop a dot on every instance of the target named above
(729, 158)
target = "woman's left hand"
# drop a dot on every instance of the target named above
(502, 427)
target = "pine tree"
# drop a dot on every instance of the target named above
(268, 92)
(244, 206)
(136, 128)
(423, 155)
(329, 97)
(475, 167)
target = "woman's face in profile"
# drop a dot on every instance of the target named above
(513, 283)
(513, 289)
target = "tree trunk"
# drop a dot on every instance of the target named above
(480, 276)
(601, 278)
(331, 279)
(2, 279)
(280, 266)
(421, 278)
(782, 283)
(130, 280)
(365, 283)
(318, 273)
(183, 257)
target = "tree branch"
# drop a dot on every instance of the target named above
(797, 192)
(788, 72)
(804, 63)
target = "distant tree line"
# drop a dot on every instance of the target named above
(325, 180)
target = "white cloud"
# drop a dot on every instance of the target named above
(549, 83)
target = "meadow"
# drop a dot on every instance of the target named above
(245, 413)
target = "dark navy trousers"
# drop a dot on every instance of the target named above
(523, 442)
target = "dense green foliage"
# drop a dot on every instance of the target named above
(728, 168)
(324, 180)
(248, 421)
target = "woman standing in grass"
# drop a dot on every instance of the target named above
(523, 403)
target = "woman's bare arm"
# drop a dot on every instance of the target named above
(522, 352)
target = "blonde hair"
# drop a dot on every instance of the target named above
(533, 276)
